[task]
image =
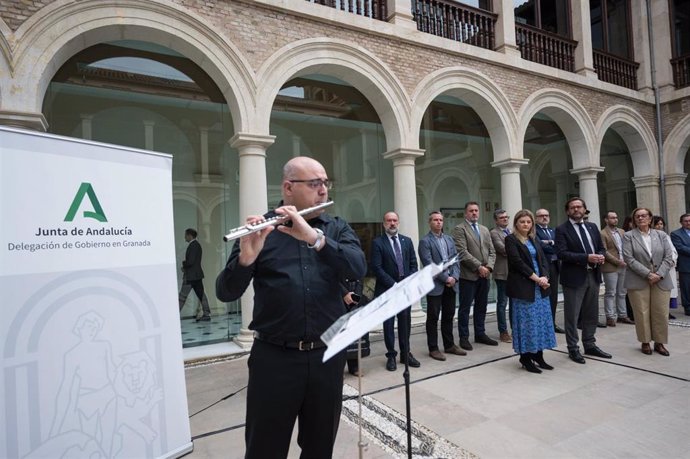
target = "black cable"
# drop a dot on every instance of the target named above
(217, 402)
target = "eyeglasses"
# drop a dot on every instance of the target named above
(316, 183)
(542, 215)
(641, 216)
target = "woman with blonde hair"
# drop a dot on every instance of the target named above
(528, 288)
(649, 260)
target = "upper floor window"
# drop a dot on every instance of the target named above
(680, 14)
(610, 21)
(549, 15)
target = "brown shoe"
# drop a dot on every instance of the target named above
(437, 355)
(646, 349)
(658, 347)
(506, 338)
(610, 322)
(625, 320)
(456, 350)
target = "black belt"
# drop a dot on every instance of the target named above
(301, 345)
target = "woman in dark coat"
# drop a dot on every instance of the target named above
(528, 288)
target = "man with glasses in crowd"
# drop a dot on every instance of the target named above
(547, 236)
(613, 271)
(296, 268)
(681, 241)
(500, 273)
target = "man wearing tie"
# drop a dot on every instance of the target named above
(477, 258)
(681, 241)
(581, 251)
(392, 260)
(547, 237)
(500, 274)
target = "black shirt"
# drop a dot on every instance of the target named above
(296, 289)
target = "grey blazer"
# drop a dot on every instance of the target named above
(429, 252)
(640, 263)
(498, 238)
(472, 252)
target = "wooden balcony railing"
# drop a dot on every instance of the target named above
(546, 48)
(615, 70)
(681, 71)
(375, 9)
(463, 23)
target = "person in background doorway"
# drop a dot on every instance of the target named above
(193, 275)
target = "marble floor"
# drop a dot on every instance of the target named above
(221, 328)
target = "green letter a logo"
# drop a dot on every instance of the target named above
(86, 190)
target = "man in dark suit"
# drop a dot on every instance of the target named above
(581, 251)
(392, 260)
(477, 258)
(546, 236)
(436, 248)
(681, 241)
(193, 275)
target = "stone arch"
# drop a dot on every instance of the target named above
(570, 116)
(468, 179)
(340, 59)
(64, 28)
(676, 146)
(481, 94)
(636, 134)
(5, 50)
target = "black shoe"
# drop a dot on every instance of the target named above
(538, 357)
(558, 329)
(576, 357)
(411, 361)
(527, 364)
(465, 343)
(671, 316)
(484, 339)
(390, 364)
(601, 325)
(596, 352)
(204, 319)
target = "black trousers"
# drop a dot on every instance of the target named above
(443, 305)
(554, 271)
(287, 385)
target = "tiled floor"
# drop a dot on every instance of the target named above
(219, 329)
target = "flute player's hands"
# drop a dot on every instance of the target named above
(299, 229)
(251, 244)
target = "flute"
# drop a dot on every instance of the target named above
(249, 228)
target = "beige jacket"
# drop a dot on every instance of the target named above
(612, 256)
(472, 252)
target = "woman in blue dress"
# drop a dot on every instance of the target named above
(528, 288)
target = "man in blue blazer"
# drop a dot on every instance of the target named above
(546, 236)
(436, 248)
(681, 241)
(581, 251)
(392, 260)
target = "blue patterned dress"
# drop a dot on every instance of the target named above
(532, 321)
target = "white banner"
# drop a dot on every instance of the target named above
(90, 337)
(354, 324)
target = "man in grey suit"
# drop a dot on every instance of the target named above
(477, 258)
(681, 241)
(193, 275)
(437, 247)
(500, 274)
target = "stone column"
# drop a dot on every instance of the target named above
(640, 44)
(675, 199)
(253, 200)
(557, 213)
(505, 27)
(400, 13)
(405, 202)
(511, 191)
(647, 191)
(582, 33)
(663, 53)
(588, 190)
(203, 153)
(23, 120)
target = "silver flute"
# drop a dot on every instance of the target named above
(249, 228)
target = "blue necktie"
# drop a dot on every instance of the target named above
(585, 241)
(507, 231)
(398, 256)
(476, 231)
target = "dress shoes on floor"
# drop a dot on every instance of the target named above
(602, 325)
(204, 319)
(506, 338)
(465, 344)
(671, 316)
(646, 349)
(596, 352)
(411, 361)
(625, 320)
(357, 373)
(610, 322)
(576, 357)
(437, 355)
(558, 329)
(661, 349)
(390, 364)
(457, 350)
(484, 339)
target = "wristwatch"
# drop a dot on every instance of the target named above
(320, 238)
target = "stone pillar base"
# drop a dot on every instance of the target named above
(245, 339)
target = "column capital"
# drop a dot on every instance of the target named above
(24, 120)
(403, 156)
(676, 179)
(587, 173)
(646, 181)
(243, 139)
(511, 163)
